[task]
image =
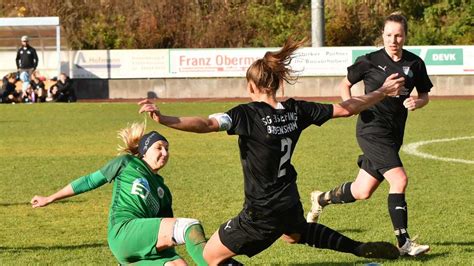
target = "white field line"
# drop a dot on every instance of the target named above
(412, 148)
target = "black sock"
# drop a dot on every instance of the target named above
(230, 262)
(397, 208)
(340, 194)
(319, 236)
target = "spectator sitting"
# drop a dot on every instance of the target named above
(62, 91)
(28, 96)
(38, 87)
(52, 89)
(9, 92)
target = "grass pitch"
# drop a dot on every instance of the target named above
(45, 146)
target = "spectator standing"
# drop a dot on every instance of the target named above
(26, 61)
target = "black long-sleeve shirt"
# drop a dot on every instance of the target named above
(64, 88)
(26, 57)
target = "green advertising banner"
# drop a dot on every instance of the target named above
(439, 60)
(444, 57)
(357, 53)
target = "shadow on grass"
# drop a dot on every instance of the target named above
(2, 204)
(39, 248)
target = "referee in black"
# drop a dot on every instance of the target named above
(268, 132)
(380, 130)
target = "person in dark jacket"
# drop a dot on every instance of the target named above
(62, 91)
(26, 57)
(9, 93)
(26, 61)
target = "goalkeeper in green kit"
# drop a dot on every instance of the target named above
(141, 226)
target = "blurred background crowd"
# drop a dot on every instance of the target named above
(27, 85)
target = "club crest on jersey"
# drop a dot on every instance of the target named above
(141, 188)
(407, 71)
(161, 192)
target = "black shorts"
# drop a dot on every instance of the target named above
(380, 155)
(252, 232)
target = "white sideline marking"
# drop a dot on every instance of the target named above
(412, 149)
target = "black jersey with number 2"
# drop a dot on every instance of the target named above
(388, 117)
(267, 139)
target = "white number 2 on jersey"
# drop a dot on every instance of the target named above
(285, 144)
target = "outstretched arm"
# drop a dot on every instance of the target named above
(355, 105)
(78, 186)
(40, 201)
(191, 124)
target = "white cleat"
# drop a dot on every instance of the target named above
(411, 248)
(316, 208)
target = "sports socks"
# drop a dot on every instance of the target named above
(338, 195)
(397, 208)
(320, 236)
(195, 241)
(230, 262)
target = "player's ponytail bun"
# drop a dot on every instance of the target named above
(269, 72)
(131, 137)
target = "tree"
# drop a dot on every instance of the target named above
(117, 24)
(447, 22)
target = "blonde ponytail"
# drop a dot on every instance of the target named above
(131, 136)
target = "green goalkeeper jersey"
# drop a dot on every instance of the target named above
(138, 192)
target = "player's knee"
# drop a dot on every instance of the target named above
(210, 258)
(291, 239)
(399, 185)
(180, 227)
(404, 182)
(362, 194)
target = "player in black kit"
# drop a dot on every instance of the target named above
(380, 130)
(268, 132)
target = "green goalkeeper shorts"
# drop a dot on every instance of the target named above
(134, 241)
